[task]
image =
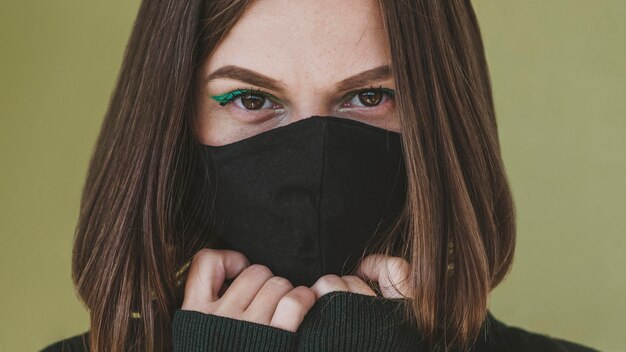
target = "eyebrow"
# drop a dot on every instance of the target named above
(248, 76)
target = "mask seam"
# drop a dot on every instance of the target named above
(319, 204)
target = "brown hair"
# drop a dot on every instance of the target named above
(141, 216)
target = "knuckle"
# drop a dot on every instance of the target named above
(355, 281)
(204, 253)
(304, 295)
(279, 281)
(204, 257)
(205, 263)
(297, 302)
(287, 300)
(291, 303)
(330, 279)
(351, 278)
(260, 269)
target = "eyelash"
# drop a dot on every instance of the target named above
(229, 97)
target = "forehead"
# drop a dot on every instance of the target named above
(305, 41)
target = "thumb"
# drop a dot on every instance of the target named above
(391, 273)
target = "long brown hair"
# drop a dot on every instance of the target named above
(141, 217)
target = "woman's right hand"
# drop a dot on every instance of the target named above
(256, 295)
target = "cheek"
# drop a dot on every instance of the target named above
(210, 127)
(206, 124)
(217, 128)
(390, 122)
(215, 132)
(393, 124)
(200, 123)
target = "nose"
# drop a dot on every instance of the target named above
(319, 109)
(305, 116)
(308, 101)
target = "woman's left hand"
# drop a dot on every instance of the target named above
(391, 274)
(346, 283)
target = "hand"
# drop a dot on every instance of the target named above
(391, 274)
(346, 283)
(256, 295)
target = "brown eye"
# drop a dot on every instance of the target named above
(252, 101)
(370, 97)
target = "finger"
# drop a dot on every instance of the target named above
(356, 285)
(328, 283)
(208, 270)
(292, 308)
(391, 273)
(245, 287)
(223, 289)
(265, 302)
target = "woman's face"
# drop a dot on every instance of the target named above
(286, 60)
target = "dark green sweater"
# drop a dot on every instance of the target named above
(338, 322)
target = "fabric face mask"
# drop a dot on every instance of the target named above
(306, 199)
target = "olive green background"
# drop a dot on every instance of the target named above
(558, 71)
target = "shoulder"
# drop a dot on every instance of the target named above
(76, 343)
(502, 337)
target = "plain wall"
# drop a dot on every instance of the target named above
(558, 73)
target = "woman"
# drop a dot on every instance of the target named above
(327, 175)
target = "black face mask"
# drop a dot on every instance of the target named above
(308, 198)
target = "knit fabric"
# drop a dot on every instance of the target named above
(338, 322)
(195, 331)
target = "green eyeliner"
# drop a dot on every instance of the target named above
(223, 99)
(391, 92)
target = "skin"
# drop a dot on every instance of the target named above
(256, 295)
(307, 48)
(315, 53)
